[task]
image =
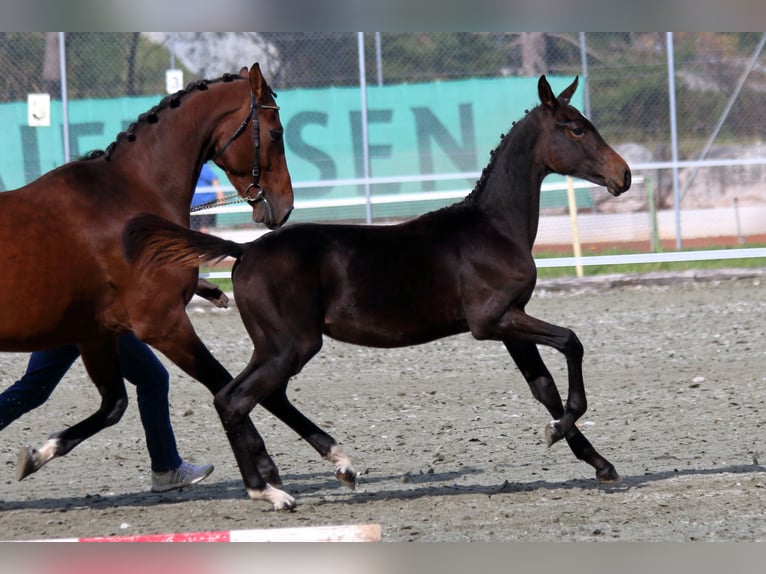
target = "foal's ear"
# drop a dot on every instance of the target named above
(546, 93)
(257, 83)
(566, 95)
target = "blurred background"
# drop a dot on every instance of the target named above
(380, 127)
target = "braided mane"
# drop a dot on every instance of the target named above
(504, 139)
(150, 117)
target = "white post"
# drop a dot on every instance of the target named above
(365, 141)
(378, 58)
(584, 63)
(674, 137)
(64, 97)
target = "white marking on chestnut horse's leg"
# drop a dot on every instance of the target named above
(344, 468)
(278, 498)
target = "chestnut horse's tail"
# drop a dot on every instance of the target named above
(152, 240)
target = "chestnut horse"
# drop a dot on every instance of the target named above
(64, 278)
(467, 267)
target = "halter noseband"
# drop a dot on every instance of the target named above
(256, 171)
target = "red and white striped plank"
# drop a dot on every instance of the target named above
(340, 533)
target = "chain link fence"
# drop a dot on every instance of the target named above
(685, 109)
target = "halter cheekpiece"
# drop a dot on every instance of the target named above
(256, 170)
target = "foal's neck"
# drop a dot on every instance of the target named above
(509, 194)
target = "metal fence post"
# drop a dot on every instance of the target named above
(674, 137)
(64, 97)
(365, 143)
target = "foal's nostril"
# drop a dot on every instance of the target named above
(626, 181)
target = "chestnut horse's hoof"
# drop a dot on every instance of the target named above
(26, 462)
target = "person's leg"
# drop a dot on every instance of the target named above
(44, 371)
(141, 367)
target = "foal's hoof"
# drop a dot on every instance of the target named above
(347, 477)
(608, 475)
(26, 462)
(279, 499)
(552, 433)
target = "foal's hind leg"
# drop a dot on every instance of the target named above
(181, 345)
(234, 403)
(280, 406)
(527, 358)
(101, 360)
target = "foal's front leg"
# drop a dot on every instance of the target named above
(518, 326)
(527, 358)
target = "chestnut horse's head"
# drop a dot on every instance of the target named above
(574, 147)
(253, 155)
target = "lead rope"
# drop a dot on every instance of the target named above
(256, 170)
(228, 200)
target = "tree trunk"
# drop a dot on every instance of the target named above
(51, 83)
(533, 53)
(131, 81)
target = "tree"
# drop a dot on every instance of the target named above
(51, 83)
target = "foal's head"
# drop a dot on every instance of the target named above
(251, 151)
(569, 144)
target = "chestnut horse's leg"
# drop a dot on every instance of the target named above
(280, 406)
(101, 360)
(527, 358)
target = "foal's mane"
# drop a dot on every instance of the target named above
(150, 117)
(504, 139)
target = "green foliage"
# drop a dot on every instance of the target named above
(440, 56)
(22, 56)
(99, 65)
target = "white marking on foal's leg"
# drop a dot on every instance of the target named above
(552, 433)
(30, 459)
(278, 498)
(344, 468)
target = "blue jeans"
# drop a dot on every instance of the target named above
(139, 365)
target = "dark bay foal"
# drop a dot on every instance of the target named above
(467, 267)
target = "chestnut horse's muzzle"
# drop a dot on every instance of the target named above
(269, 218)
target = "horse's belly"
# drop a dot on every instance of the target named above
(41, 310)
(391, 327)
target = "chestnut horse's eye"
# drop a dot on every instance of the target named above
(276, 135)
(577, 131)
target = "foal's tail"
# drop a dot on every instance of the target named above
(149, 239)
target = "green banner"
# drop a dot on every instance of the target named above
(413, 130)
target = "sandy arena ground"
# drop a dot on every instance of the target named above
(447, 435)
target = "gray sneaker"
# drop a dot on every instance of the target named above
(185, 475)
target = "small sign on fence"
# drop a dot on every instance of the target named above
(39, 110)
(174, 80)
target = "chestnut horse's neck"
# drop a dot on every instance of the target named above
(164, 149)
(508, 191)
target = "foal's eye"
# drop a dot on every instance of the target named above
(276, 135)
(577, 131)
